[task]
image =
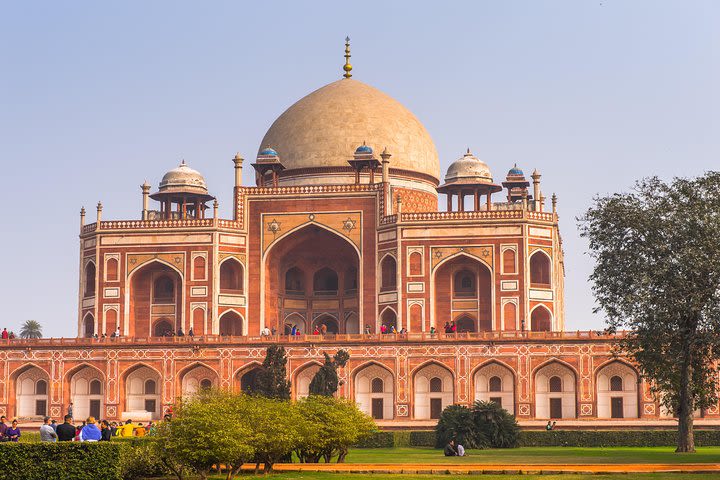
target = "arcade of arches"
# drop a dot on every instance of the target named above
(311, 281)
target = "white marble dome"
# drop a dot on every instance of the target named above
(468, 169)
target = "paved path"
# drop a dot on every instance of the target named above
(483, 468)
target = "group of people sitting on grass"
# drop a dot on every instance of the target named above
(453, 449)
(88, 430)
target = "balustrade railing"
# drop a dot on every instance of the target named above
(22, 343)
(153, 224)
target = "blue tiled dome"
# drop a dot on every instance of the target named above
(363, 149)
(515, 171)
(268, 151)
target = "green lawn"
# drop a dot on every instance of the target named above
(360, 476)
(535, 455)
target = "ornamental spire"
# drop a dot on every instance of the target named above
(347, 67)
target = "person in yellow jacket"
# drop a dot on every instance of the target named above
(127, 430)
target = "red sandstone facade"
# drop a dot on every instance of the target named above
(348, 248)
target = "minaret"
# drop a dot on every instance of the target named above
(347, 67)
(238, 161)
(145, 199)
(536, 189)
(99, 213)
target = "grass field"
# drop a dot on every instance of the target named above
(360, 476)
(536, 455)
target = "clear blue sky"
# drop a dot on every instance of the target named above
(96, 97)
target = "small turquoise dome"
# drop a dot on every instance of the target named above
(363, 149)
(515, 171)
(268, 151)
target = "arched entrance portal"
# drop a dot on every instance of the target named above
(312, 272)
(463, 292)
(155, 296)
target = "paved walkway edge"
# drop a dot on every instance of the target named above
(494, 469)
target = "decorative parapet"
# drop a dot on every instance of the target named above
(474, 215)
(157, 224)
(311, 189)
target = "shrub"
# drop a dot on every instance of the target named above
(378, 440)
(456, 423)
(612, 438)
(139, 460)
(497, 425)
(61, 461)
(422, 438)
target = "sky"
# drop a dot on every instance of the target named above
(96, 97)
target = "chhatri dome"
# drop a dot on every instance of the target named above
(183, 179)
(468, 169)
(323, 129)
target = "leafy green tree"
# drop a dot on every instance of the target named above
(657, 274)
(495, 424)
(272, 379)
(275, 431)
(31, 329)
(212, 428)
(326, 382)
(329, 427)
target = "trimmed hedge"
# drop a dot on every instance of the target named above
(62, 460)
(555, 438)
(613, 438)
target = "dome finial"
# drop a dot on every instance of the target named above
(347, 67)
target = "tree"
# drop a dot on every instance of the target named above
(329, 427)
(272, 379)
(275, 430)
(31, 329)
(326, 382)
(211, 428)
(657, 274)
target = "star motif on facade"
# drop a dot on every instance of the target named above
(486, 253)
(133, 261)
(438, 253)
(349, 224)
(274, 226)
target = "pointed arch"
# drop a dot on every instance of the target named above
(618, 389)
(489, 374)
(541, 318)
(77, 383)
(373, 388)
(232, 323)
(138, 318)
(276, 258)
(443, 295)
(540, 267)
(245, 378)
(294, 319)
(433, 389)
(388, 272)
(389, 318)
(305, 225)
(88, 325)
(192, 377)
(555, 384)
(30, 401)
(232, 276)
(90, 278)
(302, 376)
